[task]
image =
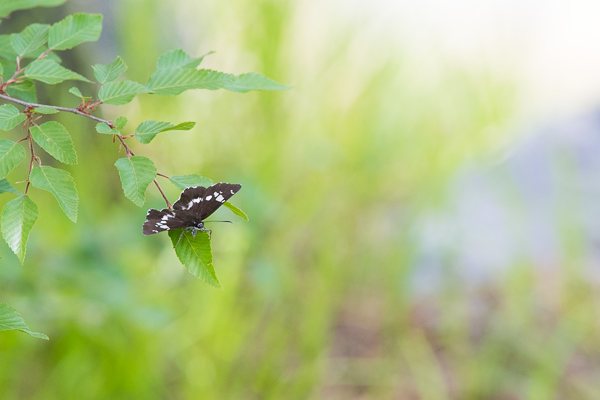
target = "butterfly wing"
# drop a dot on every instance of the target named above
(202, 202)
(163, 220)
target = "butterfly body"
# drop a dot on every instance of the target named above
(192, 208)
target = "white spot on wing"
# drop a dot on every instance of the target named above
(208, 198)
(220, 199)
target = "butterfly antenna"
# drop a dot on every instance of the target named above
(220, 221)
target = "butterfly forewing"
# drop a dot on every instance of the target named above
(202, 202)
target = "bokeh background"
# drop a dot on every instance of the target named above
(424, 208)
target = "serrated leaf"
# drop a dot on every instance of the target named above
(252, 81)
(136, 174)
(120, 123)
(48, 71)
(186, 181)
(121, 92)
(11, 155)
(45, 110)
(17, 219)
(174, 82)
(74, 30)
(103, 128)
(6, 187)
(109, 72)
(54, 138)
(11, 320)
(24, 91)
(194, 252)
(237, 211)
(32, 38)
(61, 185)
(8, 6)
(10, 117)
(175, 59)
(147, 130)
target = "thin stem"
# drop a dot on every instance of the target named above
(163, 194)
(163, 175)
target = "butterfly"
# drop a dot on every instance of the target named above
(192, 208)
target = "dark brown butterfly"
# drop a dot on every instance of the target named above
(192, 208)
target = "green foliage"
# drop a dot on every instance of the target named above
(27, 59)
(11, 320)
(50, 72)
(6, 187)
(54, 138)
(11, 155)
(18, 217)
(103, 128)
(195, 254)
(30, 40)
(10, 117)
(8, 6)
(121, 92)
(60, 183)
(136, 174)
(147, 130)
(186, 181)
(74, 30)
(109, 72)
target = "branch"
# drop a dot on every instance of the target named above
(79, 112)
(59, 108)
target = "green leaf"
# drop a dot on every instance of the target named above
(195, 254)
(121, 92)
(174, 82)
(109, 72)
(45, 110)
(6, 187)
(25, 91)
(30, 39)
(18, 217)
(77, 93)
(252, 81)
(6, 50)
(50, 72)
(1, 71)
(61, 185)
(147, 130)
(10, 320)
(186, 181)
(237, 211)
(74, 30)
(11, 155)
(10, 117)
(54, 138)
(102, 127)
(120, 123)
(175, 59)
(136, 174)
(8, 6)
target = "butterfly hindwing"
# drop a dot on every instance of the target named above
(163, 220)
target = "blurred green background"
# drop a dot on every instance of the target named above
(318, 297)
